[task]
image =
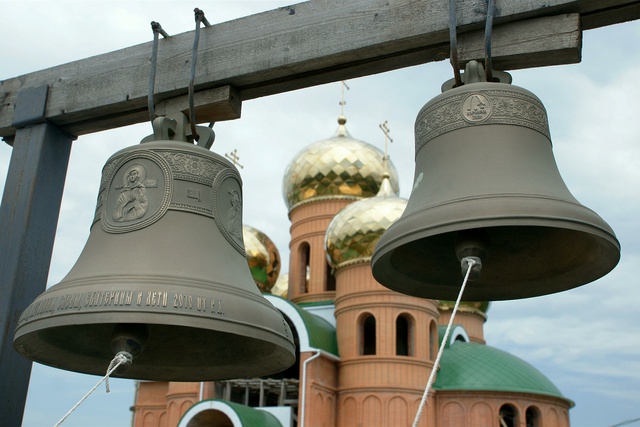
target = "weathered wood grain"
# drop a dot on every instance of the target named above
(526, 44)
(298, 46)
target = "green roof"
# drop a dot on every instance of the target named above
(321, 334)
(253, 417)
(473, 366)
(237, 413)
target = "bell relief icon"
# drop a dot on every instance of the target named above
(132, 203)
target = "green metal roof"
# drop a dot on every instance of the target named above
(473, 366)
(239, 415)
(253, 417)
(321, 334)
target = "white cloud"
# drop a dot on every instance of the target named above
(585, 340)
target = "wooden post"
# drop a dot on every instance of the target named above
(28, 219)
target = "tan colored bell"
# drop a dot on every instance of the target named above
(487, 185)
(163, 275)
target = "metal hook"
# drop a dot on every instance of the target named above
(454, 43)
(488, 63)
(199, 17)
(157, 29)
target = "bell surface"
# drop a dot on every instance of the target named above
(163, 276)
(487, 185)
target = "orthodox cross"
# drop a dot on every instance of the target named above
(342, 101)
(234, 158)
(387, 139)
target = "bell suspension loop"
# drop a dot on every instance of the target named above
(157, 29)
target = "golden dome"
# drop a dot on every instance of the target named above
(338, 167)
(281, 288)
(353, 233)
(263, 258)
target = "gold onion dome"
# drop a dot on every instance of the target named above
(263, 258)
(334, 168)
(353, 233)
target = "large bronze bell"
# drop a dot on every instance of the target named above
(163, 275)
(487, 186)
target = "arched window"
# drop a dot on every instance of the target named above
(433, 340)
(330, 279)
(367, 335)
(533, 417)
(303, 272)
(508, 416)
(404, 335)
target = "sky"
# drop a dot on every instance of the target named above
(586, 340)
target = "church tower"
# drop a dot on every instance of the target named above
(322, 179)
(387, 341)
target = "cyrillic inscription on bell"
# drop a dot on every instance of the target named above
(487, 185)
(163, 277)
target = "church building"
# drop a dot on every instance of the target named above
(363, 352)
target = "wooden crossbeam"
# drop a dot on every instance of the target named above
(303, 45)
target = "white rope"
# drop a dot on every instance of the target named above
(119, 359)
(436, 365)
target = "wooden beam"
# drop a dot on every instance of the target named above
(211, 105)
(553, 40)
(295, 47)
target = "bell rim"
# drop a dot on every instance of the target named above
(55, 311)
(33, 342)
(401, 233)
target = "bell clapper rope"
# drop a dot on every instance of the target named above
(127, 342)
(122, 358)
(470, 262)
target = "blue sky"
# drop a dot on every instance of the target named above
(586, 340)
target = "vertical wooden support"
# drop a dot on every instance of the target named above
(227, 391)
(28, 220)
(261, 402)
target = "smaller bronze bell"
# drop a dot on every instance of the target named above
(163, 276)
(487, 186)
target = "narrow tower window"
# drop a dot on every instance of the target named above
(330, 279)
(508, 416)
(404, 336)
(303, 272)
(367, 335)
(532, 416)
(433, 340)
